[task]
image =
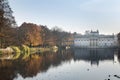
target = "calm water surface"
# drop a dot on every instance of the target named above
(78, 64)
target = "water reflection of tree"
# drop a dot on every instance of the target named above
(32, 66)
(7, 71)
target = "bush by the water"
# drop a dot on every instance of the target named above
(15, 49)
(25, 50)
(0, 52)
(17, 52)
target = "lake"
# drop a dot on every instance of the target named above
(77, 64)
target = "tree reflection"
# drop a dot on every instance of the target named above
(7, 71)
(33, 65)
(38, 63)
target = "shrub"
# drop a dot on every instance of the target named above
(0, 52)
(16, 51)
(25, 51)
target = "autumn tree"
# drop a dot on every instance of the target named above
(7, 24)
(38, 35)
(59, 36)
(45, 35)
(29, 34)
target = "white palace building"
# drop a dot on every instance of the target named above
(92, 39)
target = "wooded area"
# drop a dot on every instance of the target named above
(28, 33)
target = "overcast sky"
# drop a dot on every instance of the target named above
(70, 15)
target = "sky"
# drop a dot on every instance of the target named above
(70, 15)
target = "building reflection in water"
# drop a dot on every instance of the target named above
(94, 55)
(118, 55)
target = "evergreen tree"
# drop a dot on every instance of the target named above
(7, 24)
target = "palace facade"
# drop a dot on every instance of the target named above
(92, 39)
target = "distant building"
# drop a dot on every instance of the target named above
(92, 39)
